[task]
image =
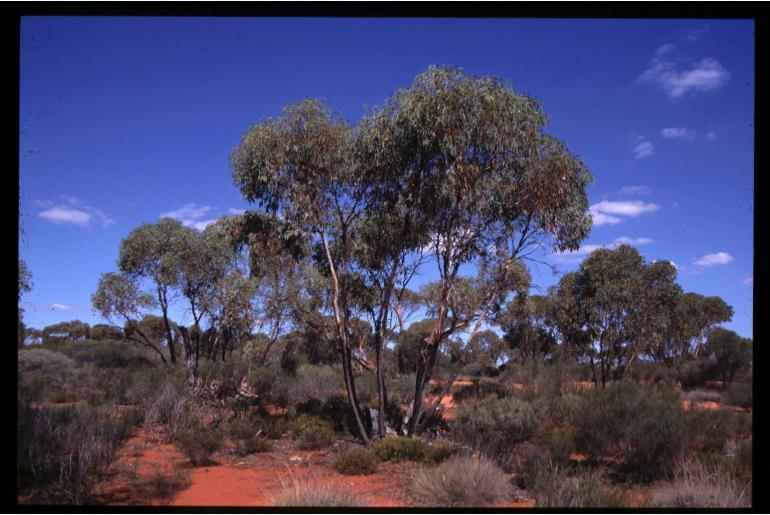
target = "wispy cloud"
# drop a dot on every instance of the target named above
(62, 307)
(640, 191)
(709, 260)
(576, 256)
(643, 149)
(676, 77)
(609, 212)
(711, 135)
(190, 215)
(236, 211)
(73, 211)
(678, 133)
(749, 280)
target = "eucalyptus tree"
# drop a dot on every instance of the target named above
(529, 326)
(298, 167)
(613, 305)
(728, 354)
(694, 318)
(153, 252)
(471, 155)
(25, 285)
(118, 297)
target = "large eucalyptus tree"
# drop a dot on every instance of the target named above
(470, 155)
(299, 168)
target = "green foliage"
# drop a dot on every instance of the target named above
(401, 448)
(462, 481)
(740, 394)
(728, 354)
(616, 305)
(557, 486)
(479, 390)
(494, 426)
(312, 432)
(355, 462)
(198, 443)
(644, 424)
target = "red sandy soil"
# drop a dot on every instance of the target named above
(250, 481)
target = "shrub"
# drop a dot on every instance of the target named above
(554, 486)
(644, 424)
(165, 486)
(401, 448)
(312, 432)
(462, 481)
(709, 430)
(439, 451)
(274, 427)
(171, 409)
(252, 445)
(478, 390)
(198, 443)
(355, 462)
(240, 429)
(61, 395)
(559, 441)
(694, 374)
(740, 394)
(696, 486)
(313, 494)
(494, 426)
(64, 451)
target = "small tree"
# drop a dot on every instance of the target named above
(728, 354)
(118, 296)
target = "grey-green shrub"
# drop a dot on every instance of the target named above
(198, 443)
(401, 448)
(356, 462)
(494, 426)
(312, 432)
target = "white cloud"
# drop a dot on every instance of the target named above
(575, 256)
(678, 133)
(676, 78)
(643, 149)
(749, 280)
(610, 212)
(62, 307)
(718, 258)
(711, 135)
(636, 190)
(73, 211)
(236, 211)
(633, 241)
(187, 212)
(190, 215)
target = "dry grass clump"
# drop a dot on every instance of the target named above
(697, 486)
(314, 494)
(462, 481)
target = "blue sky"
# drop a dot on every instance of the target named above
(125, 119)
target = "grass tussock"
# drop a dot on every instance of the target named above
(306, 493)
(698, 486)
(462, 481)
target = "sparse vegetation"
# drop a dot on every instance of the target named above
(462, 481)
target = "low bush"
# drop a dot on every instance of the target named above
(164, 486)
(62, 396)
(646, 425)
(494, 426)
(439, 451)
(273, 427)
(740, 394)
(252, 445)
(401, 448)
(315, 495)
(556, 486)
(478, 390)
(355, 462)
(709, 430)
(462, 481)
(64, 452)
(198, 443)
(697, 486)
(170, 409)
(312, 432)
(560, 441)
